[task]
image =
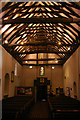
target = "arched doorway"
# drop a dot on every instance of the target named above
(75, 89)
(6, 85)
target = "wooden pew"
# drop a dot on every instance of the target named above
(62, 107)
(13, 108)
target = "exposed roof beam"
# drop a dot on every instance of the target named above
(42, 44)
(42, 64)
(42, 59)
(13, 53)
(33, 52)
(67, 57)
(32, 6)
(7, 6)
(41, 20)
(46, 11)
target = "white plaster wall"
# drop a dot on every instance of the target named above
(0, 73)
(8, 65)
(79, 74)
(57, 78)
(70, 72)
(29, 75)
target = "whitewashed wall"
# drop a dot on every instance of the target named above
(0, 73)
(61, 76)
(8, 65)
(71, 73)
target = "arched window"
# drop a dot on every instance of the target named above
(75, 89)
(12, 76)
(42, 70)
(6, 85)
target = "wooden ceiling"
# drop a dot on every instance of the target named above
(40, 33)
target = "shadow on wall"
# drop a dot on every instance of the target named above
(6, 85)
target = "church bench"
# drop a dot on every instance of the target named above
(10, 115)
(13, 108)
(62, 107)
(66, 114)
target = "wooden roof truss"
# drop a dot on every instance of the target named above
(40, 27)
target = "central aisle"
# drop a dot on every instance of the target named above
(39, 111)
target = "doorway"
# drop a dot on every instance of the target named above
(42, 92)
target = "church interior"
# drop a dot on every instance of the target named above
(40, 60)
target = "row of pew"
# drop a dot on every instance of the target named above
(63, 107)
(14, 108)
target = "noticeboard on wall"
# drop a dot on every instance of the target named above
(68, 91)
(24, 91)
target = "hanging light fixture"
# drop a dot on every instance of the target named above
(56, 61)
(22, 43)
(6, 42)
(59, 43)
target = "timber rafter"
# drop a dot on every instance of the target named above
(41, 28)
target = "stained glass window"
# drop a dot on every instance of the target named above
(41, 70)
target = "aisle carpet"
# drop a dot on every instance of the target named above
(39, 111)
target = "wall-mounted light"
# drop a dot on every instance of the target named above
(56, 61)
(53, 67)
(30, 66)
(26, 61)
